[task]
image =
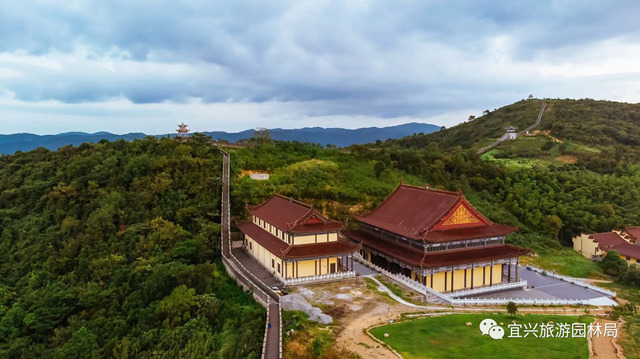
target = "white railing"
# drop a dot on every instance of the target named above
(266, 331)
(340, 275)
(419, 287)
(572, 280)
(528, 301)
(280, 327)
(493, 288)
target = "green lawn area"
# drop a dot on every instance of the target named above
(449, 337)
(566, 262)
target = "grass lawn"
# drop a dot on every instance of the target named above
(398, 290)
(449, 337)
(566, 262)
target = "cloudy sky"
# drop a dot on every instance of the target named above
(144, 66)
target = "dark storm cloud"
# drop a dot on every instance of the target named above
(374, 58)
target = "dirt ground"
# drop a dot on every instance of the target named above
(605, 347)
(354, 308)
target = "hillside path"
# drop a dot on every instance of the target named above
(505, 137)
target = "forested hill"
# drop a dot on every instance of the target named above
(110, 250)
(340, 137)
(587, 126)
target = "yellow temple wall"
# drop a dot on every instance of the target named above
(458, 280)
(497, 274)
(307, 268)
(304, 239)
(586, 246)
(438, 281)
(322, 237)
(477, 276)
(264, 256)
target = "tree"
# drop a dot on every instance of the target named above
(552, 225)
(471, 118)
(530, 97)
(631, 276)
(512, 308)
(81, 345)
(613, 264)
(379, 168)
(262, 137)
(486, 112)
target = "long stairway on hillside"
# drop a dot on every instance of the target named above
(272, 347)
(506, 135)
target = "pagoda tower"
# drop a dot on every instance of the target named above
(183, 131)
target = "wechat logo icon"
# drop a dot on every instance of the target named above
(489, 326)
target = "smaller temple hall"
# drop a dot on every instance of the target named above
(296, 242)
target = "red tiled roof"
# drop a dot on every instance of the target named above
(410, 210)
(436, 259)
(634, 232)
(270, 242)
(320, 249)
(418, 213)
(607, 239)
(626, 250)
(291, 216)
(284, 250)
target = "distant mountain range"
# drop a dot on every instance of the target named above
(340, 137)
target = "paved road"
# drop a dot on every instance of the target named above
(545, 287)
(272, 348)
(362, 269)
(257, 269)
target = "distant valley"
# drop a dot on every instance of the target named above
(340, 137)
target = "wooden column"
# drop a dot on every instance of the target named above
(509, 272)
(286, 264)
(517, 260)
(465, 278)
(431, 281)
(473, 273)
(445, 281)
(452, 275)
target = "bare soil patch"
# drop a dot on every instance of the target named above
(567, 159)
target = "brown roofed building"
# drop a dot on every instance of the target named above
(437, 238)
(625, 242)
(296, 242)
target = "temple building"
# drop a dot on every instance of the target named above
(438, 239)
(625, 242)
(297, 243)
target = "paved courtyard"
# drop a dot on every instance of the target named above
(539, 287)
(362, 269)
(546, 287)
(256, 268)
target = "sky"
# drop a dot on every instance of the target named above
(145, 66)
